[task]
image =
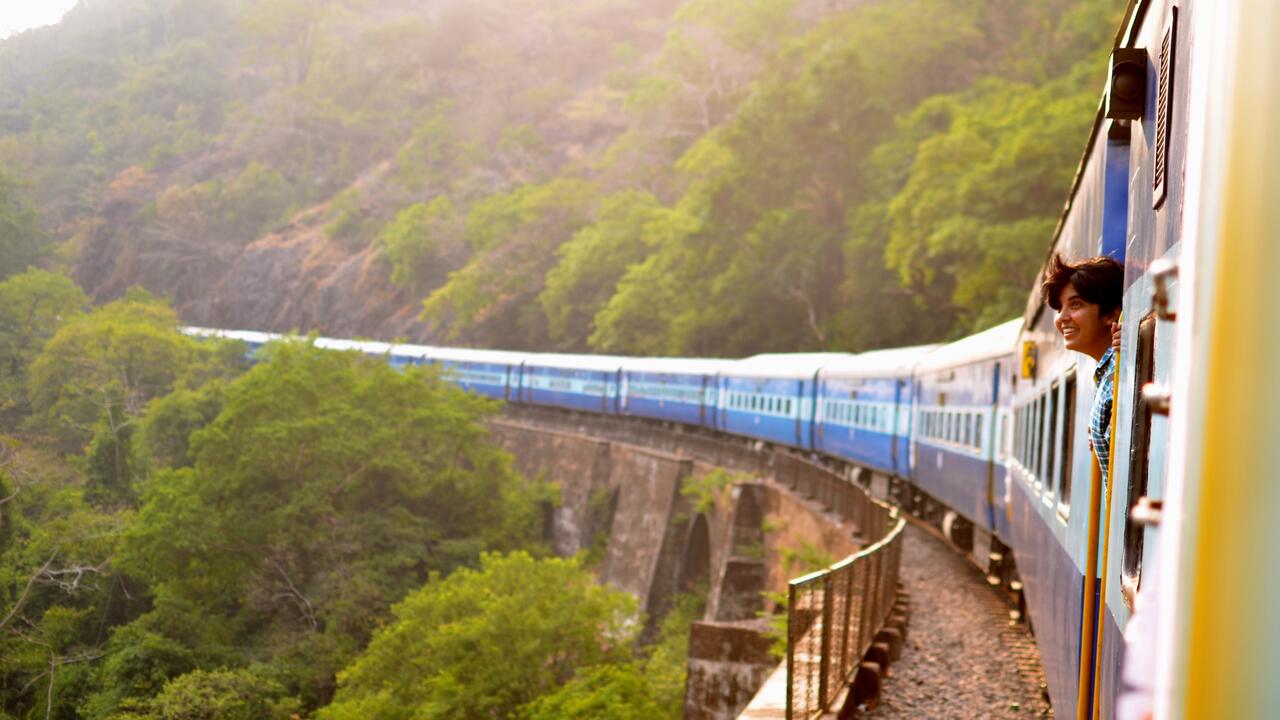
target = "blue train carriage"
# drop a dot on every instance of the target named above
(674, 389)
(495, 373)
(1158, 152)
(1050, 463)
(397, 355)
(578, 382)
(772, 397)
(252, 339)
(372, 348)
(1127, 202)
(955, 433)
(864, 408)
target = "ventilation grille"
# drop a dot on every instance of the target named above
(1164, 108)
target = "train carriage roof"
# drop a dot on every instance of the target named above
(410, 350)
(252, 337)
(998, 341)
(894, 362)
(676, 366)
(495, 357)
(368, 347)
(783, 366)
(600, 363)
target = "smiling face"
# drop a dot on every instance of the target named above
(1081, 326)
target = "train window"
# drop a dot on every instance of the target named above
(1017, 435)
(1051, 439)
(1042, 420)
(1024, 440)
(1033, 437)
(1139, 451)
(788, 406)
(1068, 431)
(977, 431)
(965, 429)
(1025, 437)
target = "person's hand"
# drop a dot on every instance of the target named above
(1115, 335)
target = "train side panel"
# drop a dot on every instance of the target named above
(858, 419)
(776, 410)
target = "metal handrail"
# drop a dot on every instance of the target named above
(833, 616)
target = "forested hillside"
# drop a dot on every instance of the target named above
(184, 536)
(709, 177)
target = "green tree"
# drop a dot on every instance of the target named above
(591, 263)
(492, 300)
(328, 486)
(417, 243)
(97, 373)
(618, 692)
(486, 642)
(984, 192)
(59, 589)
(231, 694)
(33, 305)
(23, 242)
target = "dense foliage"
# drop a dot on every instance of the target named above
(646, 176)
(181, 538)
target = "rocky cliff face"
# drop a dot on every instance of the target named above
(296, 278)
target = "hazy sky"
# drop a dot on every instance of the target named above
(19, 15)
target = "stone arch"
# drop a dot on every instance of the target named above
(747, 539)
(695, 568)
(742, 581)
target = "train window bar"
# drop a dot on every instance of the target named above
(1004, 436)
(1068, 433)
(1051, 443)
(1037, 456)
(1139, 454)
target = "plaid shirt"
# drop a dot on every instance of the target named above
(1100, 420)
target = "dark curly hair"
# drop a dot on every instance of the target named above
(1099, 280)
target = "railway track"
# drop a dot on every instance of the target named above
(965, 656)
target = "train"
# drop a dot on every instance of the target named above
(986, 436)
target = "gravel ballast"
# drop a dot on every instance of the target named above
(964, 657)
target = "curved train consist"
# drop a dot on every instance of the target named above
(987, 435)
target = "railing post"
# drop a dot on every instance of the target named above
(825, 643)
(791, 649)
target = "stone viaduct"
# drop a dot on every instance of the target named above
(649, 498)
